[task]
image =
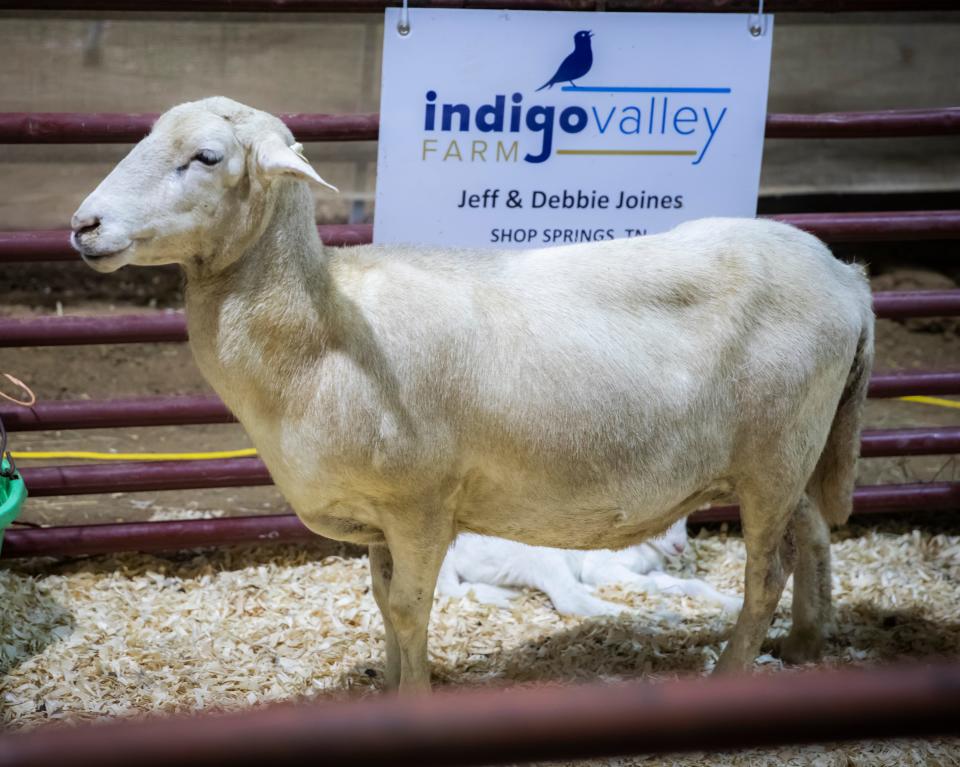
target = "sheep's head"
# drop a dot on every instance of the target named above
(192, 190)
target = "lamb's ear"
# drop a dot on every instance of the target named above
(275, 158)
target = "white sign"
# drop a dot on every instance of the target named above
(530, 128)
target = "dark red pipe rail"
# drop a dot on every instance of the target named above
(377, 6)
(110, 128)
(544, 723)
(159, 536)
(191, 410)
(78, 540)
(895, 305)
(140, 476)
(119, 413)
(54, 244)
(884, 443)
(872, 499)
(101, 329)
(116, 128)
(36, 245)
(171, 326)
(902, 384)
(877, 226)
(890, 123)
(520, 725)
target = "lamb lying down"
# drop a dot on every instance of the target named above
(485, 565)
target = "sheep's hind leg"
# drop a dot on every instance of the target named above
(812, 609)
(417, 549)
(770, 548)
(381, 573)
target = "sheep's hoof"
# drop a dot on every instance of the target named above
(800, 647)
(728, 664)
(417, 687)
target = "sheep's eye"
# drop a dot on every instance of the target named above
(207, 157)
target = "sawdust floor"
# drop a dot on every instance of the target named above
(126, 635)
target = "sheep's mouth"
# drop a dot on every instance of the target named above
(91, 253)
(104, 261)
(101, 256)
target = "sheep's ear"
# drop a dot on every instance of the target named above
(275, 158)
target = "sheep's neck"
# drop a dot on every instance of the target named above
(263, 322)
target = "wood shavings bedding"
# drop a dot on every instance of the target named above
(129, 634)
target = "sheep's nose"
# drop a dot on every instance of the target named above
(85, 225)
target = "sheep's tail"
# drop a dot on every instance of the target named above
(831, 485)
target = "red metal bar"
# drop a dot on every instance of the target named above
(889, 123)
(102, 329)
(872, 499)
(138, 476)
(100, 128)
(171, 326)
(77, 540)
(117, 413)
(117, 128)
(36, 245)
(54, 245)
(919, 303)
(877, 227)
(190, 410)
(938, 440)
(544, 723)
(906, 383)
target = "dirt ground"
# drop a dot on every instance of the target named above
(100, 372)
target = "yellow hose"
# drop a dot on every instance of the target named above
(93, 456)
(938, 401)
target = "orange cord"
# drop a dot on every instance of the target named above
(29, 402)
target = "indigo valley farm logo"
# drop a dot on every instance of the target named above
(607, 121)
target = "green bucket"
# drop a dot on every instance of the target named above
(13, 492)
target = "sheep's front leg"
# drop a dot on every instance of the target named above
(381, 574)
(417, 557)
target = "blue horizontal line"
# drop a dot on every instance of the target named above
(627, 89)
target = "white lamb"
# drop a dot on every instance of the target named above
(480, 566)
(585, 396)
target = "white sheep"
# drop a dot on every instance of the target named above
(585, 396)
(481, 566)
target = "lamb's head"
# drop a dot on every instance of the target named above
(201, 184)
(674, 541)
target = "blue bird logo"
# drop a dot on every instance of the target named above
(577, 64)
